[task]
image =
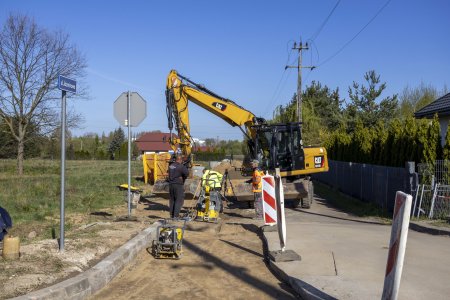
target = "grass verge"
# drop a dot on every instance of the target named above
(349, 204)
(33, 200)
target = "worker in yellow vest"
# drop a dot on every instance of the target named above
(212, 180)
(257, 189)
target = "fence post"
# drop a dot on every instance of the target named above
(386, 193)
(372, 184)
(415, 200)
(430, 215)
(420, 202)
(362, 170)
(410, 168)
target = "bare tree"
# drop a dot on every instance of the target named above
(31, 58)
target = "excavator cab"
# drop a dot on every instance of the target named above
(280, 146)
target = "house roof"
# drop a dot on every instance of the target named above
(154, 141)
(440, 106)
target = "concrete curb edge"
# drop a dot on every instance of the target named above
(292, 282)
(426, 229)
(92, 280)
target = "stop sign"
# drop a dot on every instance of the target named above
(138, 110)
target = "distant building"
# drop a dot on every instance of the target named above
(440, 106)
(154, 142)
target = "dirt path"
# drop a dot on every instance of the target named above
(220, 261)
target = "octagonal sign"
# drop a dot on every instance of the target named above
(138, 109)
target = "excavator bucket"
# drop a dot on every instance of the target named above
(243, 190)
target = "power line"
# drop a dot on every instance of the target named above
(277, 89)
(356, 35)
(316, 34)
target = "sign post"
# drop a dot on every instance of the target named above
(65, 85)
(130, 109)
(129, 151)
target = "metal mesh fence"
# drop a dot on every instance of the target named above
(432, 199)
(432, 202)
(439, 172)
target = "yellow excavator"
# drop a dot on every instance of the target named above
(273, 145)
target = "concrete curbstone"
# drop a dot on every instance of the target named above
(301, 289)
(92, 280)
(428, 229)
(97, 279)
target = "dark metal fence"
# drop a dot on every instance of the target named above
(369, 183)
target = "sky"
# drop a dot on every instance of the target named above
(239, 50)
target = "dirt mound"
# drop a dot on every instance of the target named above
(227, 165)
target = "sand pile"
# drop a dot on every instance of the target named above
(227, 165)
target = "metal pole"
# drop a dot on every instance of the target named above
(299, 84)
(63, 169)
(129, 153)
(299, 77)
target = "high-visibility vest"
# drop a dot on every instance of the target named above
(256, 181)
(212, 179)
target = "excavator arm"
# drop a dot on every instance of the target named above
(180, 91)
(275, 146)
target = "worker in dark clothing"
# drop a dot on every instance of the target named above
(177, 175)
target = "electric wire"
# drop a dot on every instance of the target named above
(319, 30)
(356, 35)
(277, 89)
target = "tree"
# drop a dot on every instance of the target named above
(118, 138)
(365, 105)
(322, 111)
(325, 103)
(31, 58)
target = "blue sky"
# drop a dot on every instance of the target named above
(238, 49)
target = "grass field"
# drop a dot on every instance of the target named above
(34, 198)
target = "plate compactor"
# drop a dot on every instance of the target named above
(169, 239)
(209, 204)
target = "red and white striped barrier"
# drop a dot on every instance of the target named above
(279, 193)
(397, 245)
(269, 200)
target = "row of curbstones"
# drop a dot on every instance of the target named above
(92, 280)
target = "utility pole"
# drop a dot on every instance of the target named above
(299, 67)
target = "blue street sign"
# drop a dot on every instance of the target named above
(67, 84)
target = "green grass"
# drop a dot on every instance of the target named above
(35, 196)
(347, 203)
(440, 223)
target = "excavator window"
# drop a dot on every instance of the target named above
(280, 146)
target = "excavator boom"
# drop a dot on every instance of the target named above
(274, 145)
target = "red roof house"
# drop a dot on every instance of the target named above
(154, 142)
